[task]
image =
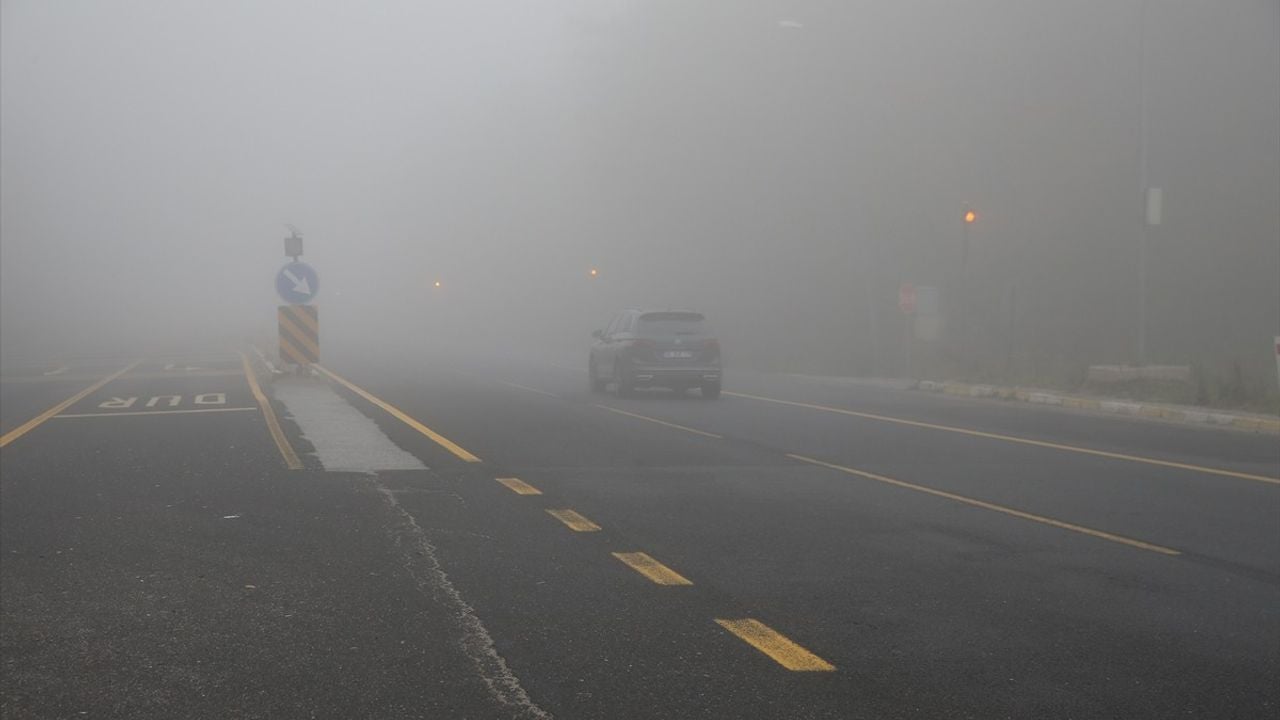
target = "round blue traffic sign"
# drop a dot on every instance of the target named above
(297, 283)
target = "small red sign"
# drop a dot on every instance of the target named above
(907, 298)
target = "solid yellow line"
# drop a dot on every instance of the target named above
(992, 506)
(302, 313)
(400, 415)
(1022, 440)
(153, 412)
(273, 425)
(661, 422)
(776, 645)
(519, 486)
(298, 334)
(573, 520)
(38, 420)
(652, 569)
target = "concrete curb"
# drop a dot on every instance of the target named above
(1169, 413)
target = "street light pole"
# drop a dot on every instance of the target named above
(1142, 185)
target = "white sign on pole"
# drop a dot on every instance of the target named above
(1155, 205)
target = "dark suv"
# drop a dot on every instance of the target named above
(655, 348)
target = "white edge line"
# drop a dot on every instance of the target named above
(660, 422)
(264, 360)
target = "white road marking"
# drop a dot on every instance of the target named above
(345, 439)
(419, 557)
(265, 361)
(118, 402)
(57, 371)
(527, 388)
(153, 412)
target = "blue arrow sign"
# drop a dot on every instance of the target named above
(297, 283)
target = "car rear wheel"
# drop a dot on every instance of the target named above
(622, 383)
(711, 390)
(598, 384)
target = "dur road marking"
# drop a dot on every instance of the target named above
(1016, 439)
(992, 506)
(519, 486)
(400, 415)
(574, 521)
(776, 645)
(215, 398)
(273, 425)
(661, 422)
(36, 421)
(138, 413)
(652, 569)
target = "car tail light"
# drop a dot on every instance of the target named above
(642, 347)
(711, 348)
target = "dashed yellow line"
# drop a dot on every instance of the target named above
(574, 521)
(519, 486)
(776, 645)
(992, 506)
(1021, 440)
(269, 414)
(400, 415)
(661, 422)
(38, 420)
(652, 569)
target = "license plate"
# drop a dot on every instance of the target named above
(672, 354)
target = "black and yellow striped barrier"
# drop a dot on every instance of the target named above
(299, 334)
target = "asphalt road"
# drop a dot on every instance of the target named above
(799, 548)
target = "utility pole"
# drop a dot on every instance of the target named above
(1142, 185)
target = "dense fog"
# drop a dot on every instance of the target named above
(783, 167)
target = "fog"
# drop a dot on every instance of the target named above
(781, 166)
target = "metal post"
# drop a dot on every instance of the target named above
(962, 322)
(1142, 185)
(906, 342)
(1008, 338)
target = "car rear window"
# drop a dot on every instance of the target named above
(666, 324)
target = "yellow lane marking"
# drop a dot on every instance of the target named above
(400, 415)
(519, 486)
(155, 412)
(273, 425)
(992, 506)
(38, 420)
(776, 645)
(652, 569)
(527, 388)
(1022, 440)
(574, 521)
(661, 422)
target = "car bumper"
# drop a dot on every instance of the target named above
(642, 375)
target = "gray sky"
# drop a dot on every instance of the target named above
(781, 165)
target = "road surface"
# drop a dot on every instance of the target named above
(462, 538)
